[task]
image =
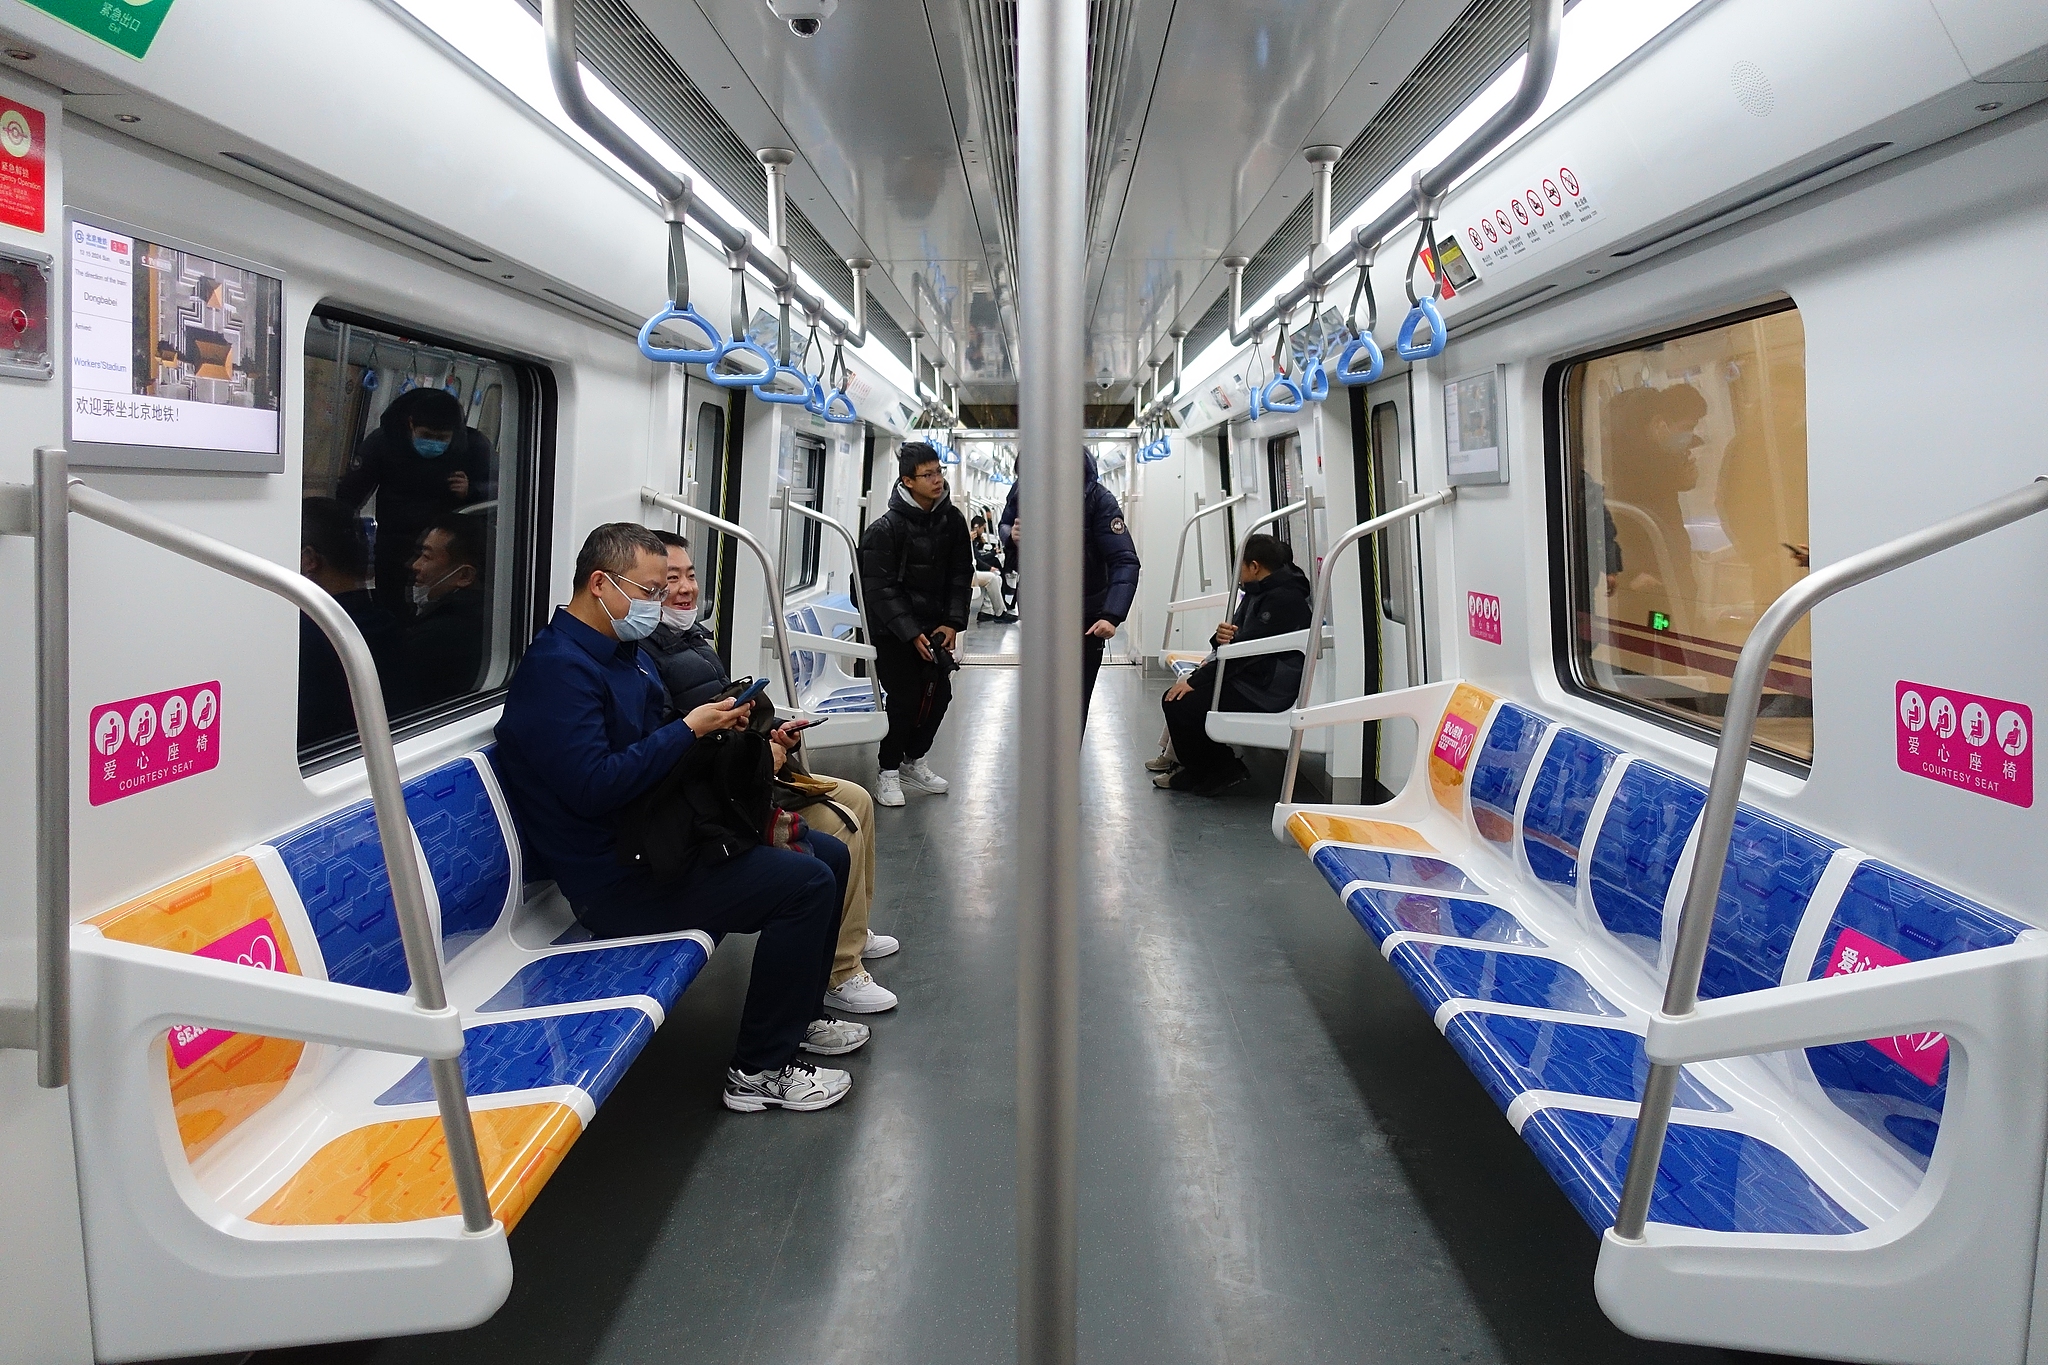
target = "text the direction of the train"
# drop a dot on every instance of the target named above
(144, 742)
(1553, 205)
(1980, 744)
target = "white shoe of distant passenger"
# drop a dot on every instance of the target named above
(918, 776)
(834, 1037)
(861, 994)
(879, 945)
(889, 790)
(798, 1086)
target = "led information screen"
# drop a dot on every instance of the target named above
(176, 354)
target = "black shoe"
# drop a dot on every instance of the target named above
(984, 616)
(1222, 780)
(1007, 618)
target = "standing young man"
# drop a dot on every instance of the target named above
(915, 571)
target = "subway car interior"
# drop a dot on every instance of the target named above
(1050, 680)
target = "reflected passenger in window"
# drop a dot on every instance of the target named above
(423, 461)
(334, 553)
(445, 644)
(1652, 437)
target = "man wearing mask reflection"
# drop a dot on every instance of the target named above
(422, 462)
(445, 643)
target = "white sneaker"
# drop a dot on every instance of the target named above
(861, 994)
(799, 1086)
(834, 1037)
(889, 791)
(920, 776)
(879, 945)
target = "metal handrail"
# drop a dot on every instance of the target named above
(558, 25)
(1546, 29)
(669, 502)
(58, 494)
(857, 592)
(1324, 579)
(1180, 555)
(1724, 799)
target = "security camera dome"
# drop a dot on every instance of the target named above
(806, 26)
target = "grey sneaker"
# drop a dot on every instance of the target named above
(1163, 764)
(834, 1037)
(918, 776)
(861, 994)
(799, 1086)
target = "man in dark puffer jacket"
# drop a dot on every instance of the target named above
(916, 571)
(1275, 602)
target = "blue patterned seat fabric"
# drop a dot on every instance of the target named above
(589, 1050)
(659, 971)
(1560, 804)
(1710, 1178)
(1583, 1044)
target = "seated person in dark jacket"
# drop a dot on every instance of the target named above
(334, 553)
(422, 462)
(693, 673)
(444, 646)
(1275, 602)
(582, 735)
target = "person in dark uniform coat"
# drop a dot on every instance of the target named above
(422, 462)
(444, 645)
(1109, 570)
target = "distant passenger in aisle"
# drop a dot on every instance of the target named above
(582, 735)
(988, 572)
(334, 553)
(1109, 570)
(444, 646)
(1275, 602)
(423, 461)
(693, 673)
(915, 571)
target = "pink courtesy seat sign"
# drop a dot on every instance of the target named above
(1454, 741)
(1980, 744)
(252, 945)
(144, 742)
(1920, 1053)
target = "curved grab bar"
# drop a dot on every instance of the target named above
(685, 356)
(1425, 310)
(856, 591)
(1180, 555)
(668, 502)
(1318, 386)
(1256, 409)
(742, 380)
(1376, 363)
(1284, 403)
(852, 413)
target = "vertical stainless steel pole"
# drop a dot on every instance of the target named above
(53, 767)
(1052, 160)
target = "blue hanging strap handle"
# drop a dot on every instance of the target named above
(1317, 382)
(1423, 310)
(1362, 342)
(680, 356)
(766, 391)
(1289, 395)
(839, 409)
(743, 379)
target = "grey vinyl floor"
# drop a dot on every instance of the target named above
(1282, 1160)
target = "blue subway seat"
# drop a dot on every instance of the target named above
(1513, 1055)
(1439, 973)
(1385, 912)
(588, 1051)
(1342, 866)
(1501, 768)
(1633, 861)
(1561, 803)
(660, 971)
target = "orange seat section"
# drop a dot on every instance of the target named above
(1310, 827)
(1457, 735)
(232, 1075)
(398, 1172)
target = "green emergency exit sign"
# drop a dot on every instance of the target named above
(1659, 621)
(129, 25)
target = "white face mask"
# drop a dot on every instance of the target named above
(423, 593)
(641, 617)
(682, 618)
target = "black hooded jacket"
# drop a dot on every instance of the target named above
(916, 569)
(1109, 557)
(411, 488)
(1276, 604)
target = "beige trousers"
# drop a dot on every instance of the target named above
(860, 876)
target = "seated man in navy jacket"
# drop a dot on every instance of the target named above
(582, 736)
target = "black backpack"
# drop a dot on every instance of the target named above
(717, 802)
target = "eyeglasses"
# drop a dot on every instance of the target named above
(623, 583)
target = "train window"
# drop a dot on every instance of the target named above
(421, 480)
(802, 538)
(704, 488)
(1391, 545)
(1283, 468)
(1684, 518)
